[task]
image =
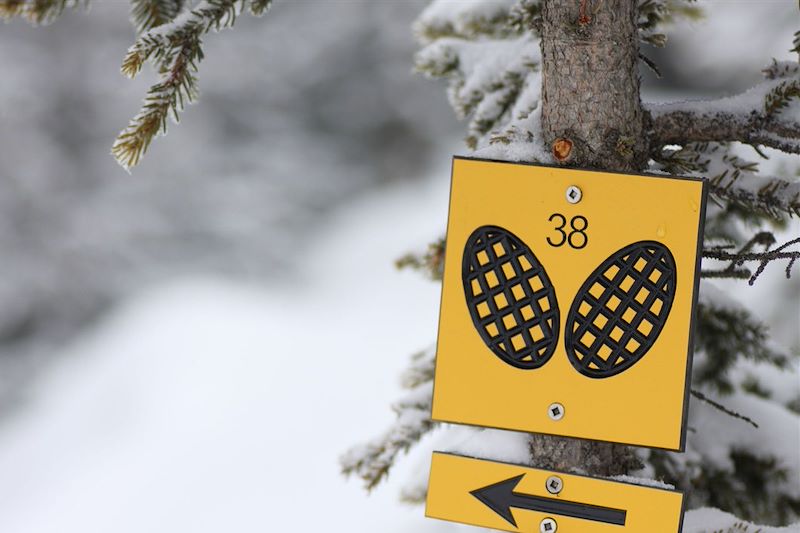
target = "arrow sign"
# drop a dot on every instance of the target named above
(508, 497)
(500, 498)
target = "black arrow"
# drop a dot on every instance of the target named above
(500, 498)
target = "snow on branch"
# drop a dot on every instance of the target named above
(373, 460)
(710, 519)
(727, 331)
(653, 15)
(175, 49)
(489, 80)
(431, 262)
(37, 11)
(148, 14)
(768, 115)
(788, 251)
(770, 195)
(732, 179)
(464, 19)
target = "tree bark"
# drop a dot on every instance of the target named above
(590, 85)
(592, 117)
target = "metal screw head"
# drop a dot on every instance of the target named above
(554, 485)
(548, 525)
(574, 194)
(555, 411)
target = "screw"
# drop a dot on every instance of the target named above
(554, 485)
(555, 411)
(548, 525)
(574, 194)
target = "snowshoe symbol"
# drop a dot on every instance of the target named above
(613, 322)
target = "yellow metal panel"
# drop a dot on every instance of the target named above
(464, 490)
(568, 257)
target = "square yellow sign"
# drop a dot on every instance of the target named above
(568, 302)
(508, 497)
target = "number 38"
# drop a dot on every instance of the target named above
(576, 237)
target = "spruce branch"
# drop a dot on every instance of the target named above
(753, 117)
(772, 196)
(737, 259)
(175, 49)
(726, 331)
(431, 262)
(148, 14)
(164, 98)
(421, 370)
(259, 7)
(37, 12)
(732, 179)
(373, 460)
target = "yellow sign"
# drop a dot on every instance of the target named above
(568, 302)
(515, 498)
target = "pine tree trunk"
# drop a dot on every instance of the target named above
(592, 117)
(590, 87)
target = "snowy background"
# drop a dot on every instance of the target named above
(191, 348)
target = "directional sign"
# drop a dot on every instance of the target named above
(568, 302)
(515, 498)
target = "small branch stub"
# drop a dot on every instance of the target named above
(562, 149)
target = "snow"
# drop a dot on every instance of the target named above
(493, 444)
(778, 436)
(461, 15)
(740, 105)
(203, 404)
(715, 521)
(645, 482)
(207, 405)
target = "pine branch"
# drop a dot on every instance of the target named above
(463, 21)
(726, 331)
(372, 461)
(37, 12)
(259, 7)
(732, 179)
(431, 262)
(148, 14)
(772, 196)
(741, 257)
(164, 98)
(175, 49)
(753, 117)
(421, 370)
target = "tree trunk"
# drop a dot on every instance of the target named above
(592, 117)
(590, 85)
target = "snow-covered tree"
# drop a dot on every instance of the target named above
(557, 82)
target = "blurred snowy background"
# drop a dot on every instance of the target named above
(190, 348)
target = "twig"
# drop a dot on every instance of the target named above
(745, 255)
(702, 397)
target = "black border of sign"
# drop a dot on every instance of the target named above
(464, 456)
(692, 314)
